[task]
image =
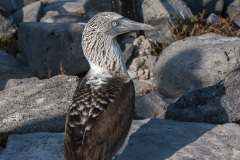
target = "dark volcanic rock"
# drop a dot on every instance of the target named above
(219, 103)
(211, 6)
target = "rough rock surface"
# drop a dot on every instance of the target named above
(234, 9)
(161, 14)
(35, 146)
(152, 105)
(33, 105)
(11, 68)
(215, 104)
(211, 6)
(48, 47)
(29, 13)
(12, 5)
(162, 139)
(212, 18)
(195, 62)
(141, 87)
(63, 12)
(123, 7)
(7, 25)
(150, 139)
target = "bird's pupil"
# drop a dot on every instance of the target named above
(114, 24)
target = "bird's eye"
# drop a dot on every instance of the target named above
(114, 24)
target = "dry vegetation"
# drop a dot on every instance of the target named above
(9, 44)
(198, 26)
(195, 27)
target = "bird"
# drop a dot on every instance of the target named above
(102, 109)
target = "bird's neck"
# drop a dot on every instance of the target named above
(105, 57)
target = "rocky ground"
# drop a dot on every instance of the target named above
(187, 95)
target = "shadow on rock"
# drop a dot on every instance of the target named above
(178, 73)
(159, 139)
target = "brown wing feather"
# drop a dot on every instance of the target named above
(84, 119)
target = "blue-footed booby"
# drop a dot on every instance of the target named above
(99, 118)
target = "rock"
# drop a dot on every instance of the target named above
(136, 63)
(48, 47)
(195, 62)
(30, 13)
(1, 150)
(11, 68)
(127, 47)
(33, 105)
(132, 74)
(233, 10)
(123, 7)
(7, 25)
(151, 62)
(145, 75)
(151, 105)
(128, 52)
(65, 7)
(163, 139)
(141, 88)
(162, 15)
(140, 72)
(67, 18)
(12, 5)
(212, 18)
(47, 146)
(211, 6)
(148, 139)
(64, 12)
(215, 104)
(146, 44)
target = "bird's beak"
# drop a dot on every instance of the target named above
(124, 25)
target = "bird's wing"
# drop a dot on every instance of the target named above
(89, 102)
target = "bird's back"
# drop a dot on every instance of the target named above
(99, 119)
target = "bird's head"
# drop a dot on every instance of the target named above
(99, 45)
(112, 24)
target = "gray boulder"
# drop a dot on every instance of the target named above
(212, 18)
(123, 7)
(12, 68)
(7, 25)
(38, 146)
(50, 48)
(233, 9)
(195, 62)
(13, 5)
(215, 104)
(211, 6)
(30, 13)
(33, 105)
(141, 88)
(161, 139)
(1, 150)
(63, 12)
(152, 105)
(150, 139)
(162, 15)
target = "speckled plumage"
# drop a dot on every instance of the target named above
(101, 113)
